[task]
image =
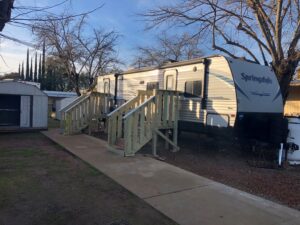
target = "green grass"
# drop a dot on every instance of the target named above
(19, 152)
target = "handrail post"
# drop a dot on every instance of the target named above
(154, 143)
(175, 125)
(90, 113)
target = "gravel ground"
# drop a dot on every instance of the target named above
(225, 161)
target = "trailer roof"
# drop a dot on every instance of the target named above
(173, 64)
(166, 65)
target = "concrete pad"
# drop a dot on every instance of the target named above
(147, 177)
(214, 206)
(185, 197)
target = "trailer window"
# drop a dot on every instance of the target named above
(170, 82)
(152, 85)
(106, 87)
(193, 88)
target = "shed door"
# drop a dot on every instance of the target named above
(25, 111)
(9, 110)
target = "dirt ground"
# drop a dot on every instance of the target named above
(225, 161)
(40, 183)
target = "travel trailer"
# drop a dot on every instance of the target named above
(216, 91)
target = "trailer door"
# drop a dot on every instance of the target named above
(170, 80)
(25, 111)
(106, 87)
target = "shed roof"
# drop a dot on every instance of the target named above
(18, 88)
(60, 94)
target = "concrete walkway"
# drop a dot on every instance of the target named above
(185, 197)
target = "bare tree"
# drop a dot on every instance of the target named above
(263, 31)
(169, 47)
(26, 15)
(99, 55)
(65, 39)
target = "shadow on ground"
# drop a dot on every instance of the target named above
(40, 183)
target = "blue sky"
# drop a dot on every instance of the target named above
(120, 15)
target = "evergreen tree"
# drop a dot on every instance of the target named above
(44, 59)
(43, 68)
(40, 70)
(19, 71)
(22, 72)
(31, 72)
(35, 78)
(27, 66)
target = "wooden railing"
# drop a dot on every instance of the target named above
(138, 126)
(72, 103)
(84, 112)
(115, 118)
(145, 121)
(68, 113)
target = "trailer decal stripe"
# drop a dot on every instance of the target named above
(277, 95)
(228, 81)
(242, 92)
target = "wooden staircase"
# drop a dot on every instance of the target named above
(141, 119)
(85, 112)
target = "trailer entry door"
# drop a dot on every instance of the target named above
(170, 80)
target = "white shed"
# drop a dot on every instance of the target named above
(22, 106)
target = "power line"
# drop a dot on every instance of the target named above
(17, 40)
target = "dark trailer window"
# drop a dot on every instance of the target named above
(193, 88)
(152, 86)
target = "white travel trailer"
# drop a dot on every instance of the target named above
(216, 91)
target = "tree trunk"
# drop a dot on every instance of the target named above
(284, 73)
(77, 89)
(91, 81)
